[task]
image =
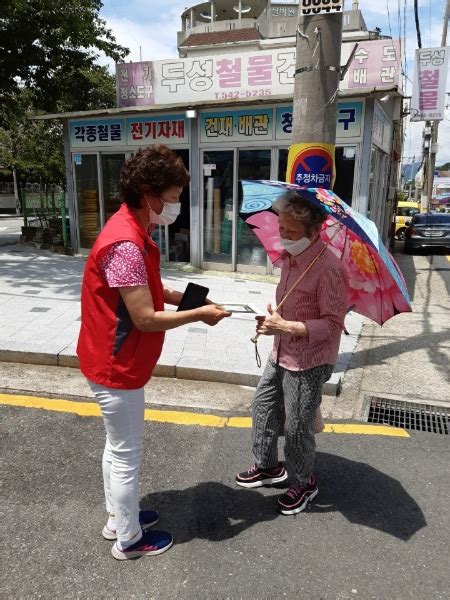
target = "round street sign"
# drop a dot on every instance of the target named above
(312, 165)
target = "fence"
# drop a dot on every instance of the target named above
(45, 217)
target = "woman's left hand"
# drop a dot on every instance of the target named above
(272, 324)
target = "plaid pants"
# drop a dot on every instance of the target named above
(301, 394)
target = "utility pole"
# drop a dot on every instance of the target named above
(317, 77)
(435, 124)
(427, 128)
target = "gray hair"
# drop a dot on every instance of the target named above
(299, 208)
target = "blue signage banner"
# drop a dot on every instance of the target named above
(348, 121)
(237, 125)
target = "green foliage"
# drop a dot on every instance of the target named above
(402, 196)
(445, 167)
(48, 63)
(51, 47)
(33, 148)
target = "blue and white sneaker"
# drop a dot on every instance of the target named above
(151, 543)
(147, 518)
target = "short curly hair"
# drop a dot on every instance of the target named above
(153, 170)
(300, 209)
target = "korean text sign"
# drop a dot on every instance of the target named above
(102, 132)
(348, 120)
(249, 75)
(134, 84)
(133, 131)
(377, 63)
(238, 125)
(430, 80)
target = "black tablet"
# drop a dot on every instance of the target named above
(194, 296)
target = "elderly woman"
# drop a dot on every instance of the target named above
(307, 332)
(122, 334)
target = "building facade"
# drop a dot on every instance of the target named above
(229, 116)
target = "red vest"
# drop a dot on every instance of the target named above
(111, 350)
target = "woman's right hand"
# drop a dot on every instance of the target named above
(211, 314)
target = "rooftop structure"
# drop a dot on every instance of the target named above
(246, 22)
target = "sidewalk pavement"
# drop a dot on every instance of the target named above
(40, 320)
(407, 360)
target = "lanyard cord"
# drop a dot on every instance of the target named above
(313, 262)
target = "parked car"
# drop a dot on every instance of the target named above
(405, 212)
(430, 230)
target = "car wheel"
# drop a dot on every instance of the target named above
(401, 234)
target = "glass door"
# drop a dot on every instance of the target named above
(218, 207)
(345, 159)
(87, 195)
(251, 256)
(111, 168)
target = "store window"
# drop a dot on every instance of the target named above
(253, 164)
(178, 233)
(282, 163)
(378, 180)
(111, 168)
(218, 181)
(87, 191)
(345, 158)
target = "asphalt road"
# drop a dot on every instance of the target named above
(378, 530)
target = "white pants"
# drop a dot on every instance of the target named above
(123, 416)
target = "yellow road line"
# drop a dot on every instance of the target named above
(91, 409)
(357, 429)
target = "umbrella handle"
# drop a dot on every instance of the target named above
(254, 339)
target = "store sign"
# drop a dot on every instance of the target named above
(281, 10)
(430, 80)
(90, 134)
(382, 129)
(348, 122)
(133, 131)
(250, 75)
(172, 130)
(236, 126)
(375, 64)
(134, 84)
(315, 7)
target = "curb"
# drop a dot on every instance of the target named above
(331, 388)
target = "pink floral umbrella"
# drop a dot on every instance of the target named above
(377, 288)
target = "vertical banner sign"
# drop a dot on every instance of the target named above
(430, 79)
(311, 165)
(316, 7)
(135, 84)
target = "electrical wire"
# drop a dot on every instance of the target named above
(416, 16)
(389, 17)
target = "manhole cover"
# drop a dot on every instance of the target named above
(407, 415)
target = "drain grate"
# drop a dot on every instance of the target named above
(407, 415)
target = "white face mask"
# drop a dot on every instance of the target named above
(295, 247)
(168, 215)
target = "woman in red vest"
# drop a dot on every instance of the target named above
(122, 334)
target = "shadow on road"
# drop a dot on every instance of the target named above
(366, 496)
(363, 494)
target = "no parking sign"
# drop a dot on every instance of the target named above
(311, 165)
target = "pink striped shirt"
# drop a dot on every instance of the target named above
(319, 301)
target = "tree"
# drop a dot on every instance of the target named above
(48, 54)
(51, 48)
